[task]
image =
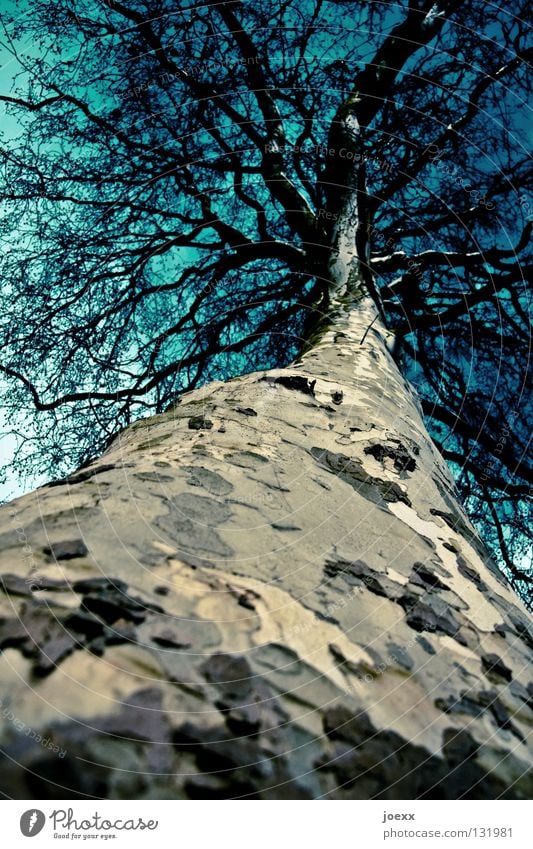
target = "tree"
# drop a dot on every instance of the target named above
(237, 190)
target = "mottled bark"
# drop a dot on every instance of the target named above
(269, 591)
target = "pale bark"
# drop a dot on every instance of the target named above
(269, 591)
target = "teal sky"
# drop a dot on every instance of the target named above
(9, 128)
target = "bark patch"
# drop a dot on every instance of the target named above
(430, 613)
(470, 574)
(15, 585)
(214, 483)
(357, 573)
(369, 763)
(67, 550)
(350, 470)
(191, 524)
(244, 698)
(476, 704)
(424, 577)
(402, 460)
(495, 669)
(295, 382)
(153, 477)
(81, 477)
(200, 423)
(246, 459)
(246, 411)
(105, 616)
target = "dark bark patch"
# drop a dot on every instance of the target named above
(200, 423)
(357, 573)
(153, 442)
(426, 645)
(66, 550)
(141, 718)
(246, 411)
(424, 577)
(340, 659)
(477, 703)
(454, 521)
(352, 472)
(214, 483)
(171, 637)
(370, 763)
(201, 508)
(422, 618)
(232, 673)
(277, 526)
(402, 460)
(153, 477)
(363, 671)
(524, 693)
(428, 613)
(86, 626)
(495, 668)
(110, 608)
(425, 611)
(400, 656)
(111, 603)
(15, 585)
(39, 636)
(499, 713)
(458, 746)
(522, 627)
(81, 477)
(241, 692)
(89, 585)
(52, 653)
(246, 459)
(34, 627)
(106, 616)
(295, 382)
(121, 631)
(341, 724)
(247, 599)
(470, 574)
(465, 704)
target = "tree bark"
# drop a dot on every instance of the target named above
(269, 591)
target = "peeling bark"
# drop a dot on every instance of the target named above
(269, 591)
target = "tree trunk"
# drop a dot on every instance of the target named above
(269, 591)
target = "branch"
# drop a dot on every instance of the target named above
(298, 213)
(371, 87)
(478, 435)
(399, 260)
(437, 145)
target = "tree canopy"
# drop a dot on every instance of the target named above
(169, 200)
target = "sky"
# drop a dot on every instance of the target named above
(8, 129)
